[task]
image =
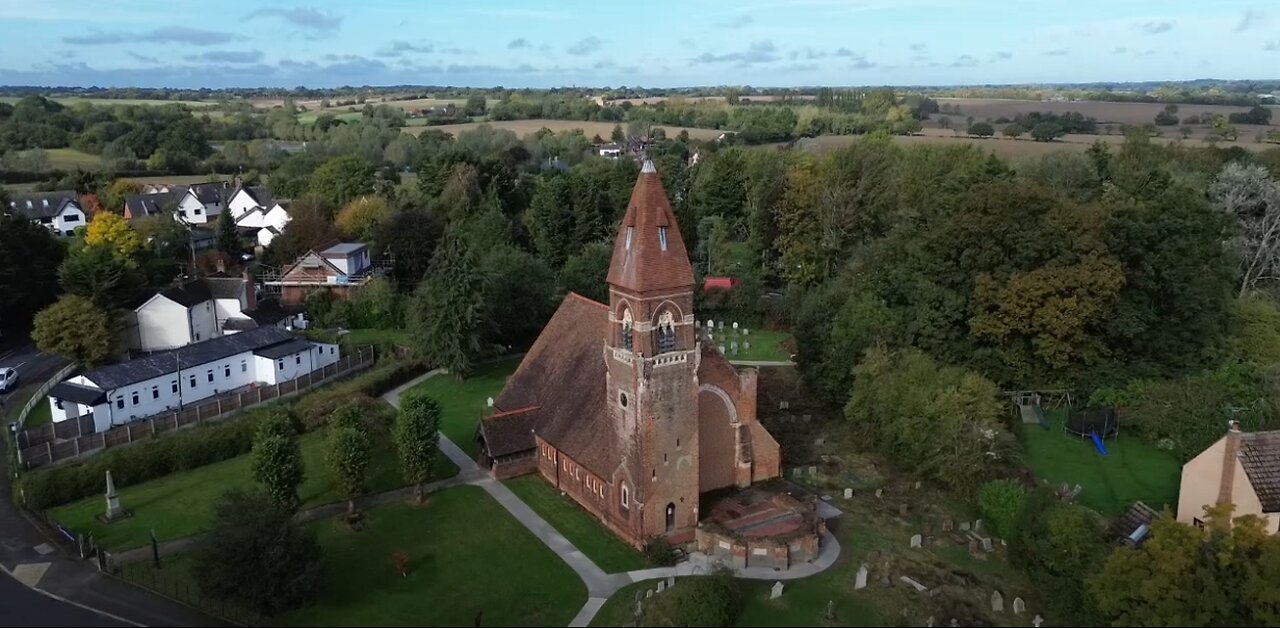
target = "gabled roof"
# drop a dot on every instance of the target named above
(319, 261)
(188, 294)
(37, 205)
(142, 205)
(279, 350)
(225, 287)
(510, 432)
(1260, 457)
(211, 193)
(345, 249)
(259, 194)
(82, 395)
(648, 253)
(192, 355)
(270, 312)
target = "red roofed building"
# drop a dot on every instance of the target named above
(619, 405)
(719, 283)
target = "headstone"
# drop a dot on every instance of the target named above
(986, 544)
(662, 586)
(671, 581)
(721, 349)
(902, 510)
(813, 470)
(1019, 607)
(776, 591)
(831, 604)
(1038, 621)
(997, 602)
(977, 525)
(920, 588)
(948, 525)
(113, 501)
(733, 348)
(879, 493)
(848, 493)
(964, 526)
(735, 324)
(648, 594)
(639, 596)
(797, 472)
(973, 547)
(915, 540)
(721, 324)
(639, 608)
(929, 622)
(860, 581)
(917, 485)
(807, 418)
(819, 441)
(746, 332)
(955, 623)
(746, 346)
(711, 324)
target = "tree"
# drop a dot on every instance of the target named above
(1001, 503)
(944, 122)
(709, 601)
(362, 218)
(476, 105)
(1251, 198)
(518, 292)
(1185, 131)
(982, 129)
(225, 231)
(584, 273)
(1013, 131)
(448, 307)
(1047, 131)
(1166, 118)
(617, 136)
(416, 434)
(254, 555)
(113, 232)
(29, 258)
(411, 235)
(341, 180)
(76, 329)
(348, 462)
(276, 461)
(113, 196)
(94, 273)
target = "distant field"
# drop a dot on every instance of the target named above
(1105, 112)
(70, 159)
(525, 127)
(119, 101)
(183, 179)
(309, 117)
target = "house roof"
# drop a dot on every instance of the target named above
(199, 234)
(648, 252)
(1260, 457)
(1138, 514)
(192, 355)
(561, 383)
(345, 249)
(259, 194)
(284, 348)
(225, 287)
(270, 312)
(191, 293)
(511, 432)
(239, 324)
(208, 193)
(82, 395)
(43, 204)
(141, 205)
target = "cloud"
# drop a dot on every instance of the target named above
(917, 47)
(227, 56)
(862, 64)
(800, 67)
(399, 48)
(585, 46)
(736, 22)
(845, 52)
(1250, 19)
(142, 58)
(301, 17)
(1002, 55)
(457, 51)
(810, 53)
(164, 35)
(519, 43)
(757, 52)
(964, 61)
(1272, 46)
(1059, 52)
(1153, 27)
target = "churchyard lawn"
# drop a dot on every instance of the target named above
(181, 505)
(766, 345)
(587, 534)
(462, 403)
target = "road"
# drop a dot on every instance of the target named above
(33, 368)
(20, 606)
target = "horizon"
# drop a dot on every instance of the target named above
(517, 44)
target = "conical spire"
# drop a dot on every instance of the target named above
(648, 252)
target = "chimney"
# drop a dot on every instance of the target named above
(1231, 451)
(250, 292)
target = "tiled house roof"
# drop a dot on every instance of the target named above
(1260, 457)
(648, 253)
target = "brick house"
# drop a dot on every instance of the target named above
(338, 269)
(619, 405)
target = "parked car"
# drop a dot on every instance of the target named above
(8, 380)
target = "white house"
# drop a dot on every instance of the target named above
(244, 199)
(160, 382)
(59, 211)
(351, 258)
(202, 309)
(201, 203)
(257, 214)
(609, 151)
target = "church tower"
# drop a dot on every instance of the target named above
(652, 356)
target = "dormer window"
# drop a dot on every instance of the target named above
(666, 333)
(662, 237)
(627, 324)
(629, 230)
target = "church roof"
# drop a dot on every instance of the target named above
(559, 387)
(648, 252)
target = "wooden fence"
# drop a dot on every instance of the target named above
(68, 440)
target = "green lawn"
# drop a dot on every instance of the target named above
(467, 556)
(619, 609)
(379, 337)
(462, 403)
(174, 579)
(70, 158)
(181, 505)
(601, 546)
(40, 415)
(765, 345)
(309, 117)
(1133, 469)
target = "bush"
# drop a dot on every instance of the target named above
(1001, 502)
(711, 601)
(314, 409)
(658, 552)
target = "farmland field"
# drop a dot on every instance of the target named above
(118, 101)
(70, 159)
(1115, 112)
(525, 127)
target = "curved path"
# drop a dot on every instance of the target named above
(601, 585)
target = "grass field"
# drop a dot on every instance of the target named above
(70, 159)
(40, 415)
(1133, 469)
(601, 546)
(469, 562)
(340, 113)
(117, 101)
(462, 403)
(766, 345)
(525, 127)
(1137, 113)
(181, 505)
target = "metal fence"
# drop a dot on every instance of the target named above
(39, 394)
(68, 440)
(174, 581)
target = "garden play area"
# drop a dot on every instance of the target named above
(1131, 470)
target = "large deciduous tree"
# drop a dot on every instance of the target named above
(1251, 197)
(29, 259)
(276, 461)
(362, 218)
(76, 329)
(417, 433)
(342, 179)
(95, 273)
(585, 272)
(113, 232)
(349, 462)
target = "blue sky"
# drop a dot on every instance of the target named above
(662, 43)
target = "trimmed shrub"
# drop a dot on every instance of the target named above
(1001, 502)
(315, 408)
(658, 552)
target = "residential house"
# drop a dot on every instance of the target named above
(59, 211)
(258, 215)
(1241, 469)
(155, 204)
(248, 198)
(160, 382)
(610, 151)
(201, 203)
(205, 308)
(338, 269)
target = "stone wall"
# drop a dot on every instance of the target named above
(779, 554)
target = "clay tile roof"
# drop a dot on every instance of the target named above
(510, 432)
(563, 376)
(648, 252)
(1260, 457)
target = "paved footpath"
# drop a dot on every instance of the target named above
(601, 585)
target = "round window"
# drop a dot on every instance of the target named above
(622, 399)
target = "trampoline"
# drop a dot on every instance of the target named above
(1087, 422)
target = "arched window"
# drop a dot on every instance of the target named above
(666, 333)
(626, 497)
(627, 324)
(671, 517)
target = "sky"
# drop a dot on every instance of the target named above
(649, 43)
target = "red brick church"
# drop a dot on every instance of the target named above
(620, 406)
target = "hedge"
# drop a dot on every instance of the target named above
(195, 447)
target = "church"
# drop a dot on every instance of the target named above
(620, 406)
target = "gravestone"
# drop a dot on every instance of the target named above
(721, 324)
(648, 594)
(902, 510)
(915, 540)
(735, 324)
(746, 346)
(929, 623)
(806, 418)
(955, 623)
(114, 511)
(721, 349)
(639, 608)
(831, 605)
(1038, 621)
(973, 547)
(662, 586)
(733, 346)
(639, 596)
(977, 525)
(986, 544)
(860, 581)
(879, 493)
(813, 470)
(964, 526)
(671, 581)
(797, 472)
(1019, 607)
(819, 441)
(917, 485)
(848, 493)
(711, 324)
(920, 588)
(776, 591)
(997, 602)
(948, 525)
(746, 332)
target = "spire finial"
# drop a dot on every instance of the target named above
(648, 167)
